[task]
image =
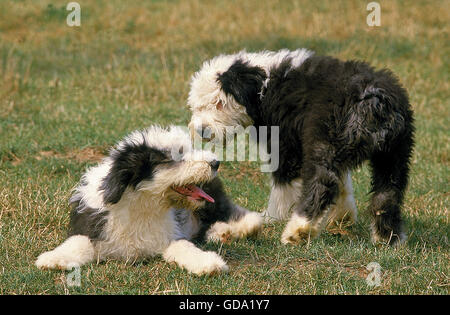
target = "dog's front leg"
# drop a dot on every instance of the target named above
(345, 208)
(283, 198)
(76, 251)
(321, 188)
(193, 259)
(243, 223)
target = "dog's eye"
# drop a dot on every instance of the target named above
(219, 106)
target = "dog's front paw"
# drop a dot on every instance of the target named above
(193, 259)
(77, 250)
(299, 229)
(208, 264)
(249, 225)
(53, 260)
(219, 232)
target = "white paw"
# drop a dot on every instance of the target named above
(53, 260)
(250, 224)
(219, 232)
(209, 263)
(300, 229)
(193, 259)
(297, 229)
(77, 250)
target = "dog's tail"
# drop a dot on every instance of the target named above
(380, 108)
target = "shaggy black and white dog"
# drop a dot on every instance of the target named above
(332, 116)
(151, 196)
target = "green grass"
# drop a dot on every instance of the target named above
(66, 94)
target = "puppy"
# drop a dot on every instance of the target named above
(332, 116)
(152, 195)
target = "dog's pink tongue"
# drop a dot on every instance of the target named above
(198, 193)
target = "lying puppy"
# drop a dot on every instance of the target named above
(151, 196)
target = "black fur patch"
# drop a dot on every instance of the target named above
(131, 164)
(222, 209)
(86, 221)
(244, 83)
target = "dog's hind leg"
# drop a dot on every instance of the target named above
(344, 211)
(389, 180)
(193, 259)
(76, 251)
(242, 223)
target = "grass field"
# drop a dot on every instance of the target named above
(68, 93)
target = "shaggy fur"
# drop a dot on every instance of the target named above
(217, 92)
(151, 196)
(332, 115)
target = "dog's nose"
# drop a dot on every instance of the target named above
(214, 165)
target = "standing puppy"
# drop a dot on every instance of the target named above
(332, 115)
(151, 196)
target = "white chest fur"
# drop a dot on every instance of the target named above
(136, 228)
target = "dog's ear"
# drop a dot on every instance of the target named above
(243, 82)
(131, 163)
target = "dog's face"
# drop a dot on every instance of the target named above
(223, 95)
(161, 164)
(183, 180)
